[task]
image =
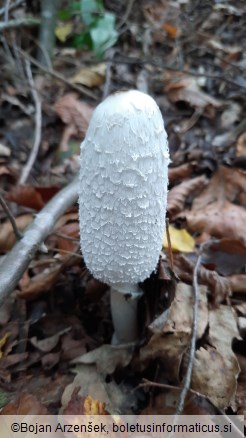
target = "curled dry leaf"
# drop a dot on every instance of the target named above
(221, 220)
(176, 174)
(90, 77)
(108, 357)
(180, 87)
(226, 184)
(79, 405)
(114, 397)
(218, 286)
(238, 283)
(227, 256)
(178, 195)
(172, 330)
(31, 197)
(26, 404)
(74, 113)
(218, 381)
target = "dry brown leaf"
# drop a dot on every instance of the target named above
(219, 286)
(90, 382)
(32, 197)
(178, 195)
(179, 173)
(172, 331)
(108, 357)
(226, 256)
(218, 381)
(26, 404)
(226, 184)
(7, 236)
(49, 343)
(90, 77)
(238, 283)
(219, 219)
(40, 283)
(74, 112)
(84, 405)
(180, 87)
(241, 146)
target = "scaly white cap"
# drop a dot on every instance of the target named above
(123, 188)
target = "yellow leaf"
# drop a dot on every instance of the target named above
(181, 240)
(90, 77)
(93, 407)
(63, 31)
(3, 342)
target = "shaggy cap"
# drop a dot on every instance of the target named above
(123, 188)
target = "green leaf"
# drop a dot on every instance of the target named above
(88, 10)
(103, 34)
(64, 15)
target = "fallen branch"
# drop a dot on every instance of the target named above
(12, 24)
(17, 260)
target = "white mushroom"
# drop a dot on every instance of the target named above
(122, 200)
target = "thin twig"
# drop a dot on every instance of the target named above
(187, 379)
(169, 243)
(17, 232)
(21, 22)
(58, 76)
(126, 14)
(11, 7)
(38, 126)
(106, 89)
(6, 12)
(158, 64)
(17, 260)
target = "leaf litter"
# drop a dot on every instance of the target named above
(63, 326)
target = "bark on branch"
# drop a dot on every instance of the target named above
(17, 260)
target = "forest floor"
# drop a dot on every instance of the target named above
(190, 57)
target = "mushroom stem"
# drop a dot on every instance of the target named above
(124, 305)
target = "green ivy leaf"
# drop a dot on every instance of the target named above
(103, 34)
(88, 10)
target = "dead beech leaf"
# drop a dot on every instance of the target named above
(181, 240)
(179, 173)
(7, 236)
(172, 330)
(32, 197)
(238, 283)
(177, 196)
(171, 30)
(40, 283)
(79, 405)
(115, 397)
(227, 256)
(180, 87)
(219, 219)
(226, 184)
(241, 146)
(26, 404)
(47, 344)
(219, 286)
(107, 357)
(218, 381)
(90, 77)
(74, 113)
